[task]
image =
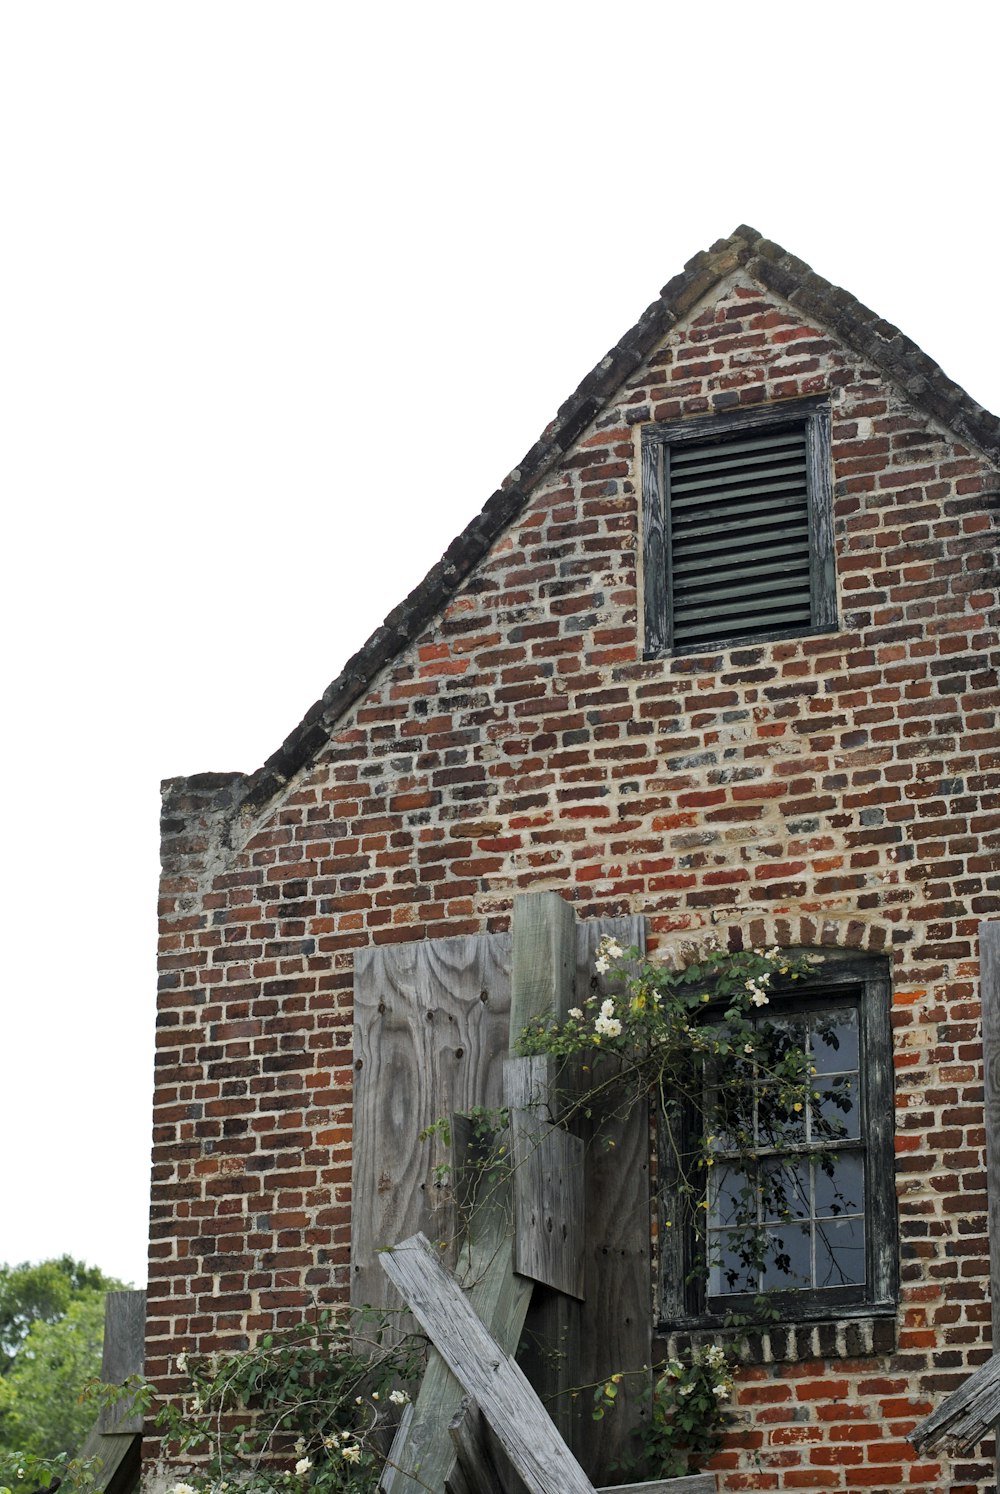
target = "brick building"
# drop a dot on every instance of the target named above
(777, 725)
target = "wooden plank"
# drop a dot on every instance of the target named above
(989, 988)
(431, 1033)
(478, 1472)
(543, 983)
(122, 1355)
(548, 1203)
(485, 1371)
(964, 1418)
(617, 1318)
(120, 1455)
(548, 1180)
(543, 974)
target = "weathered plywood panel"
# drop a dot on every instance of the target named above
(430, 1037)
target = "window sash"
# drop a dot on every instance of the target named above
(843, 980)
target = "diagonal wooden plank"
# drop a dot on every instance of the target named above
(520, 1421)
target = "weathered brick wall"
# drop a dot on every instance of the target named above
(834, 790)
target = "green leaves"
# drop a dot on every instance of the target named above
(319, 1399)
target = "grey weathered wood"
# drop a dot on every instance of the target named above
(543, 973)
(654, 548)
(431, 1034)
(819, 486)
(617, 1316)
(964, 1418)
(390, 1482)
(122, 1355)
(485, 1371)
(548, 1181)
(477, 1472)
(546, 955)
(119, 1456)
(989, 988)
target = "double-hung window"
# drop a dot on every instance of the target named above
(738, 527)
(797, 1216)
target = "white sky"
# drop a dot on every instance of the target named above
(285, 291)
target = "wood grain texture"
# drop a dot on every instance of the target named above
(548, 1184)
(431, 1032)
(543, 978)
(964, 1418)
(485, 1371)
(989, 986)
(122, 1355)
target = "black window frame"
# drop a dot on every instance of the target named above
(813, 416)
(684, 1300)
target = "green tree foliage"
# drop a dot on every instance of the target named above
(41, 1293)
(51, 1331)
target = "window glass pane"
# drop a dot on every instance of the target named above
(833, 1040)
(840, 1252)
(732, 1265)
(840, 1185)
(777, 1126)
(836, 1115)
(785, 1190)
(732, 1197)
(787, 1263)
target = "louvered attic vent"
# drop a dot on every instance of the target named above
(739, 537)
(738, 540)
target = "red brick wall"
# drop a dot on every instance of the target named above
(825, 790)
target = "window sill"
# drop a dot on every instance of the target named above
(861, 1333)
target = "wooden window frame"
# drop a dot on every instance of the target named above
(813, 415)
(684, 1301)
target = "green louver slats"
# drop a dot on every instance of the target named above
(739, 536)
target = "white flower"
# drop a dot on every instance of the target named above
(607, 1026)
(575, 1011)
(721, 1392)
(613, 949)
(773, 954)
(346, 1436)
(182, 1362)
(182, 1489)
(607, 1008)
(300, 1446)
(398, 1397)
(302, 1467)
(759, 999)
(602, 965)
(748, 1047)
(685, 1390)
(715, 1356)
(351, 1454)
(374, 1395)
